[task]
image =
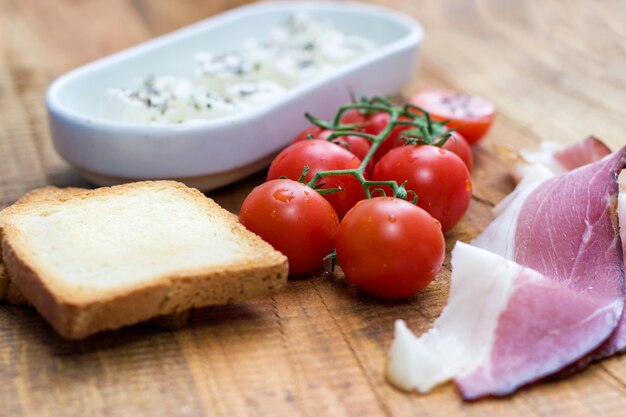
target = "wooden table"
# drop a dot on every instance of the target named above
(557, 70)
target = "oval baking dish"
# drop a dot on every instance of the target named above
(217, 152)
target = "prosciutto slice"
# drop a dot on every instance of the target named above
(557, 236)
(483, 335)
(552, 158)
(540, 210)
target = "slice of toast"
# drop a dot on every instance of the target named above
(8, 290)
(115, 256)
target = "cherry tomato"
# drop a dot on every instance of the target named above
(377, 123)
(293, 218)
(353, 116)
(471, 115)
(320, 155)
(389, 247)
(357, 145)
(439, 178)
(304, 135)
(457, 144)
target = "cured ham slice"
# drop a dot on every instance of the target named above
(498, 321)
(552, 158)
(565, 228)
(561, 229)
(555, 243)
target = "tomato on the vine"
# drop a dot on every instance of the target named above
(320, 155)
(389, 247)
(439, 178)
(293, 218)
(471, 115)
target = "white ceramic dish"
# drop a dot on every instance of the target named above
(215, 153)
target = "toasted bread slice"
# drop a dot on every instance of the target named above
(115, 256)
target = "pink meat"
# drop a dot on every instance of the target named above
(565, 229)
(583, 153)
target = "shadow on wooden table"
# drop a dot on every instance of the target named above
(25, 323)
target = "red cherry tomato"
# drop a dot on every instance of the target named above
(439, 178)
(353, 116)
(357, 145)
(389, 247)
(320, 155)
(471, 115)
(304, 135)
(293, 218)
(457, 144)
(377, 123)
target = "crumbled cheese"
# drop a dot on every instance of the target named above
(157, 99)
(222, 84)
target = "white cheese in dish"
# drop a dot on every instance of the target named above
(224, 83)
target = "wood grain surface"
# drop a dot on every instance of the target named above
(556, 69)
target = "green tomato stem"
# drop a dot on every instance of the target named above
(341, 133)
(429, 131)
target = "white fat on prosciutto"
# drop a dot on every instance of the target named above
(555, 242)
